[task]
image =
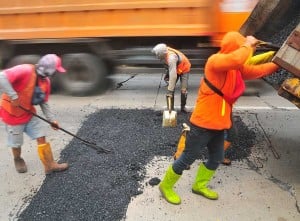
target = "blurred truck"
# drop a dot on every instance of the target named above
(94, 37)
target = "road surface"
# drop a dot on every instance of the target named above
(270, 192)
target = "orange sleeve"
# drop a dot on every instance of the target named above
(257, 71)
(233, 60)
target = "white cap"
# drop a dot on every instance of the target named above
(160, 50)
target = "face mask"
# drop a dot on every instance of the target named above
(45, 72)
(50, 74)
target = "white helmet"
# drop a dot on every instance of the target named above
(160, 50)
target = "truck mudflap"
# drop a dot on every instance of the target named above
(290, 90)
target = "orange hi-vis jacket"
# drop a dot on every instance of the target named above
(211, 110)
(24, 97)
(184, 65)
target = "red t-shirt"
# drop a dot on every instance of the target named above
(19, 76)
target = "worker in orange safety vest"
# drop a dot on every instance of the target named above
(23, 87)
(178, 67)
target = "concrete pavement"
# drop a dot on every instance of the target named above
(269, 193)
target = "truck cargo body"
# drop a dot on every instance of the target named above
(93, 37)
(279, 22)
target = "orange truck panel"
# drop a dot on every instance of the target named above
(57, 19)
(231, 15)
(116, 18)
(94, 36)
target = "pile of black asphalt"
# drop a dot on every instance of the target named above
(100, 186)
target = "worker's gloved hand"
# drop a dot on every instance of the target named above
(166, 79)
(166, 76)
(170, 94)
(251, 41)
(54, 125)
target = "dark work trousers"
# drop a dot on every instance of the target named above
(197, 139)
(231, 133)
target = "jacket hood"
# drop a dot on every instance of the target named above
(231, 41)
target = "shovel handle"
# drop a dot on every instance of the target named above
(169, 100)
(92, 145)
(264, 44)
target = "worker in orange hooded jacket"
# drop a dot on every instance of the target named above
(223, 83)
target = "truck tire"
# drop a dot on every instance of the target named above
(23, 59)
(86, 74)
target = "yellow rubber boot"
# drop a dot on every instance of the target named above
(200, 186)
(167, 184)
(45, 154)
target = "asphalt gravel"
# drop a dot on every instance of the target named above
(100, 186)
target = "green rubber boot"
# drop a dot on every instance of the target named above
(200, 186)
(166, 186)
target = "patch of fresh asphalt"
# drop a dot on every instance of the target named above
(100, 186)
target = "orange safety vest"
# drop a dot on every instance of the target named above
(183, 64)
(24, 95)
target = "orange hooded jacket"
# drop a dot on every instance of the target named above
(211, 110)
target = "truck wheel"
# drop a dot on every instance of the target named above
(23, 59)
(86, 74)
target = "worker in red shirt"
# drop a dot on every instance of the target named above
(223, 83)
(22, 87)
(177, 66)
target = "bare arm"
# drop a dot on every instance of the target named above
(6, 87)
(47, 112)
(172, 72)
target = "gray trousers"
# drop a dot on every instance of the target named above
(197, 139)
(184, 79)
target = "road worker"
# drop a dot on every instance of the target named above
(223, 83)
(22, 87)
(177, 67)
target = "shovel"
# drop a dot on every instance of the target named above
(169, 116)
(268, 45)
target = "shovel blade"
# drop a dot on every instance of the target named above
(169, 119)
